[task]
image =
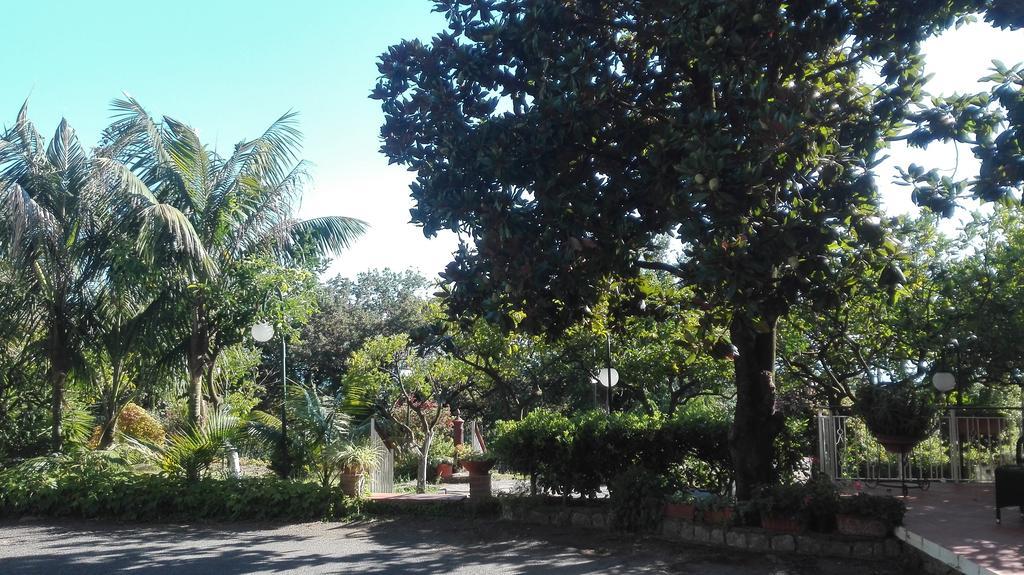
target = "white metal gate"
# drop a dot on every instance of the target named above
(383, 478)
(964, 447)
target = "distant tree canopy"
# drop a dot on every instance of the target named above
(562, 137)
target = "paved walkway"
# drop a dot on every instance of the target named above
(962, 519)
(399, 547)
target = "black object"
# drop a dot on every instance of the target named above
(1010, 483)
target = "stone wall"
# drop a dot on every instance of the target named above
(748, 538)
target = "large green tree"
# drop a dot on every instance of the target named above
(560, 137)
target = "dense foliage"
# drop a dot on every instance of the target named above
(565, 138)
(579, 454)
(96, 488)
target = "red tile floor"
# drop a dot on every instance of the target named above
(962, 518)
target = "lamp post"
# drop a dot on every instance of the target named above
(606, 377)
(946, 381)
(264, 332)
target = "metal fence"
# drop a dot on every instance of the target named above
(383, 478)
(967, 445)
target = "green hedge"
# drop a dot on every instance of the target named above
(581, 453)
(73, 489)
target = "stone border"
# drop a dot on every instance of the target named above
(747, 538)
(943, 560)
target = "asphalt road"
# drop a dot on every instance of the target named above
(400, 547)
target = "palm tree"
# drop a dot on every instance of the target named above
(215, 214)
(50, 231)
(319, 428)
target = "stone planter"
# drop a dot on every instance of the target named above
(479, 486)
(478, 467)
(781, 523)
(861, 526)
(352, 484)
(444, 471)
(680, 511)
(720, 517)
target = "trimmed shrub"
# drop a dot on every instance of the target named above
(581, 453)
(138, 423)
(90, 488)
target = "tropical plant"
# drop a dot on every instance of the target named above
(52, 226)
(219, 215)
(317, 430)
(191, 452)
(358, 458)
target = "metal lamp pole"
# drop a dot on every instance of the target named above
(264, 332)
(285, 462)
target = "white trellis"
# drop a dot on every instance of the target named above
(383, 478)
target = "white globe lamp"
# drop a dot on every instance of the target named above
(263, 332)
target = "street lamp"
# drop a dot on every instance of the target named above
(264, 332)
(606, 377)
(944, 381)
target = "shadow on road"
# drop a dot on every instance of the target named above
(398, 547)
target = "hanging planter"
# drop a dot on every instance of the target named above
(897, 415)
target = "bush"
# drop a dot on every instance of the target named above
(888, 509)
(582, 453)
(814, 503)
(537, 445)
(93, 488)
(138, 423)
(638, 497)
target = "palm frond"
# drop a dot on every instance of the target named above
(164, 224)
(67, 157)
(328, 235)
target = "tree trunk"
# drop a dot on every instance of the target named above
(59, 367)
(198, 350)
(421, 476)
(756, 421)
(216, 398)
(111, 407)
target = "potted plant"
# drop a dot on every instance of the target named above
(356, 460)
(477, 464)
(479, 467)
(445, 468)
(782, 507)
(897, 415)
(869, 515)
(461, 452)
(716, 509)
(680, 505)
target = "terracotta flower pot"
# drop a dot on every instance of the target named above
(722, 516)
(781, 523)
(444, 471)
(680, 511)
(987, 427)
(861, 526)
(352, 484)
(478, 467)
(897, 443)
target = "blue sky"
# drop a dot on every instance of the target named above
(229, 68)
